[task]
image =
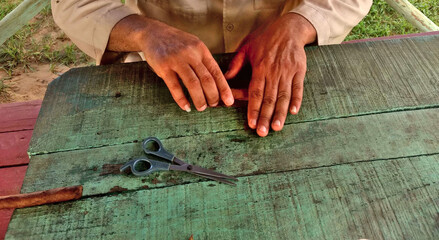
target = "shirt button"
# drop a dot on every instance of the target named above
(230, 27)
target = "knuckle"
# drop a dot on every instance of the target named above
(296, 99)
(298, 85)
(254, 113)
(269, 100)
(163, 64)
(256, 93)
(205, 78)
(301, 66)
(173, 85)
(216, 73)
(259, 66)
(283, 96)
(193, 81)
(180, 99)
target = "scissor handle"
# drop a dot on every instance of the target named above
(149, 167)
(159, 152)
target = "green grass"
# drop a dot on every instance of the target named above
(22, 50)
(382, 20)
(6, 6)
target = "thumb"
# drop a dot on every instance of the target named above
(236, 64)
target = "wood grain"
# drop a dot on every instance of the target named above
(118, 104)
(359, 161)
(238, 153)
(392, 199)
(13, 148)
(11, 179)
(19, 116)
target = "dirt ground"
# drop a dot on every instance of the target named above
(29, 82)
(28, 85)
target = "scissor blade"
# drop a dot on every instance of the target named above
(184, 168)
(208, 172)
(216, 179)
(202, 170)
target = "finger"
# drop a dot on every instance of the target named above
(193, 85)
(283, 101)
(256, 93)
(177, 93)
(268, 105)
(221, 83)
(236, 64)
(208, 84)
(297, 92)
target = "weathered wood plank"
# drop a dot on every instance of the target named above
(11, 179)
(393, 199)
(413, 15)
(107, 105)
(19, 116)
(13, 148)
(298, 146)
(19, 17)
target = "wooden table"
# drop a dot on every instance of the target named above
(361, 160)
(17, 121)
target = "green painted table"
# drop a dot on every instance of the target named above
(361, 160)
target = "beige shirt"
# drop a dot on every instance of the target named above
(220, 24)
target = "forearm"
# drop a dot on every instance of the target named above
(301, 28)
(126, 35)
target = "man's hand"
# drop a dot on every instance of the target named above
(277, 56)
(174, 54)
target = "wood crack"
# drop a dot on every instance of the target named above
(395, 110)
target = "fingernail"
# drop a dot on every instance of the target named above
(202, 108)
(253, 123)
(214, 105)
(229, 101)
(294, 110)
(187, 108)
(263, 129)
(276, 123)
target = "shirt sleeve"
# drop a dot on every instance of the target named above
(88, 23)
(333, 19)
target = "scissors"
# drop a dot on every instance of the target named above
(144, 166)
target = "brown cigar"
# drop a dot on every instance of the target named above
(40, 198)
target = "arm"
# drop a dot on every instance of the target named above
(276, 53)
(88, 23)
(174, 54)
(103, 27)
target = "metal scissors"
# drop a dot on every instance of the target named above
(144, 166)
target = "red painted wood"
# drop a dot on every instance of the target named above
(11, 179)
(13, 148)
(19, 116)
(5, 217)
(17, 121)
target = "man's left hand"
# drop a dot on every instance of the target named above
(277, 56)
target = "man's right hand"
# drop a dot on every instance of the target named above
(174, 54)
